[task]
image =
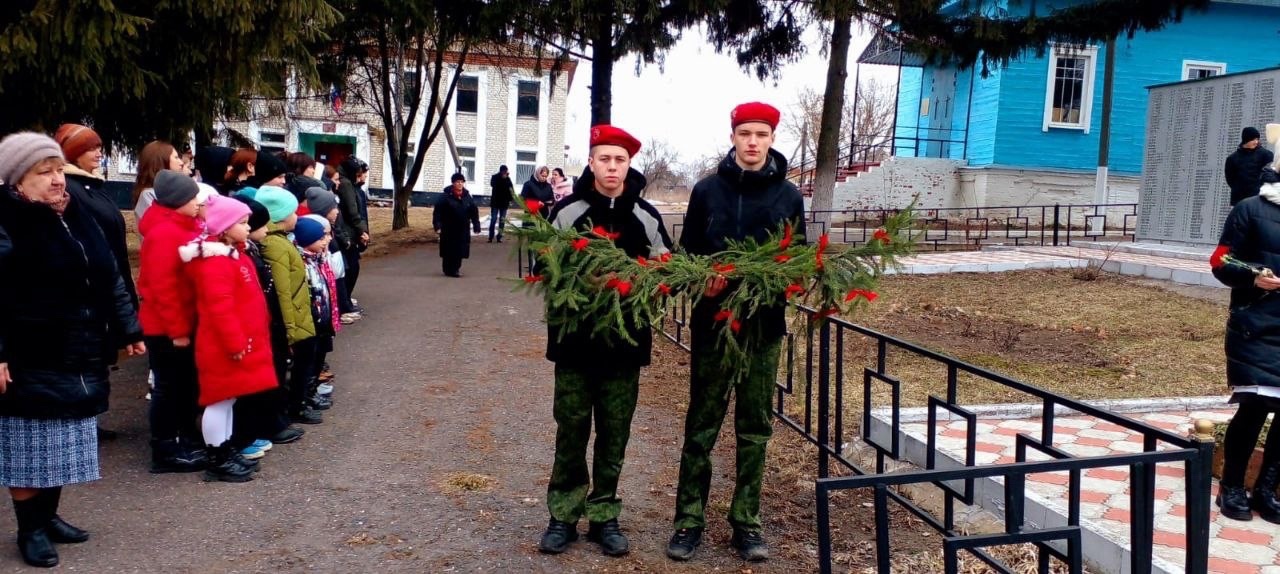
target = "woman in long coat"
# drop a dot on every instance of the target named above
(64, 312)
(452, 214)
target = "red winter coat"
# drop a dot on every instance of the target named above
(167, 298)
(233, 317)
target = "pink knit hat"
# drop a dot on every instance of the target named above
(220, 213)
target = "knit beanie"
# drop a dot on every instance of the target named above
(173, 189)
(249, 192)
(268, 167)
(222, 212)
(1249, 134)
(321, 201)
(258, 215)
(321, 219)
(278, 201)
(76, 139)
(212, 161)
(307, 232)
(21, 151)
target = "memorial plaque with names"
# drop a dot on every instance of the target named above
(1191, 129)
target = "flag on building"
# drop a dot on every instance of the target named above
(335, 99)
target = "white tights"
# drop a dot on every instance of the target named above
(216, 422)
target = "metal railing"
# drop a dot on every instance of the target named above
(814, 406)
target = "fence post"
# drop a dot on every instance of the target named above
(824, 399)
(1056, 209)
(1199, 482)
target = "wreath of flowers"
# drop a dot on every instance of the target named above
(588, 282)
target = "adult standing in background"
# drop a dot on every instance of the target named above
(501, 190)
(269, 169)
(353, 208)
(61, 323)
(451, 216)
(212, 163)
(155, 157)
(1244, 167)
(540, 189)
(561, 187)
(82, 149)
(302, 175)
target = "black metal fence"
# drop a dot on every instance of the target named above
(812, 403)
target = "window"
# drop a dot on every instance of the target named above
(527, 99)
(273, 142)
(526, 162)
(468, 96)
(411, 87)
(1069, 92)
(1197, 70)
(467, 157)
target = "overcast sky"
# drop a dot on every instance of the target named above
(686, 101)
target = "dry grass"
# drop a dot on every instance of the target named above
(467, 482)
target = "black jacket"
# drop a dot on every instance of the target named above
(64, 311)
(641, 233)
(1252, 235)
(279, 336)
(91, 192)
(541, 191)
(501, 191)
(736, 204)
(454, 219)
(1244, 169)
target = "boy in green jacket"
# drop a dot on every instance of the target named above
(290, 276)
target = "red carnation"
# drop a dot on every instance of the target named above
(641, 261)
(882, 236)
(532, 278)
(602, 232)
(723, 268)
(662, 287)
(793, 290)
(865, 294)
(611, 283)
(826, 312)
(580, 243)
(623, 287)
(724, 315)
(782, 258)
(533, 205)
(735, 326)
(823, 242)
(786, 237)
(665, 257)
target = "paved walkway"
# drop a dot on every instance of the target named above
(1235, 547)
(1185, 266)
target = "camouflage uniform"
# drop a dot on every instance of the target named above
(609, 394)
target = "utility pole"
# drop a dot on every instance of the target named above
(1104, 143)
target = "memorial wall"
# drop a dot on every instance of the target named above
(1192, 127)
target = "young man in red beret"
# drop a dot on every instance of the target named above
(598, 379)
(748, 197)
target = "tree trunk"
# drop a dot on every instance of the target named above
(602, 58)
(400, 210)
(828, 156)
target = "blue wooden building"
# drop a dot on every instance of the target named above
(1030, 132)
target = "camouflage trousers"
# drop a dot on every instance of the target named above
(607, 395)
(709, 392)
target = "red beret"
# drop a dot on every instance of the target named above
(755, 112)
(76, 139)
(605, 134)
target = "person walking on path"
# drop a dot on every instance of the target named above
(1244, 166)
(501, 191)
(455, 217)
(749, 197)
(233, 337)
(595, 380)
(1248, 253)
(64, 312)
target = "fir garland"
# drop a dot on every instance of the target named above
(589, 282)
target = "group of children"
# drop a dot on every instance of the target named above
(240, 294)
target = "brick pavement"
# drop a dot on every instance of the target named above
(1176, 267)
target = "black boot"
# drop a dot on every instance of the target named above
(609, 537)
(61, 531)
(33, 534)
(174, 456)
(225, 467)
(684, 543)
(557, 537)
(1233, 501)
(1264, 494)
(750, 545)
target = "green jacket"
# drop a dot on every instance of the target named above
(290, 276)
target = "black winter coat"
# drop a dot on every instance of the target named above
(541, 191)
(353, 210)
(454, 219)
(501, 191)
(279, 336)
(92, 193)
(1243, 170)
(735, 204)
(64, 311)
(641, 233)
(1251, 235)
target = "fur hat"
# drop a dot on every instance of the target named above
(278, 201)
(21, 151)
(258, 214)
(222, 212)
(173, 189)
(76, 139)
(307, 232)
(321, 201)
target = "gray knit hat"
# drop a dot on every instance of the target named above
(21, 151)
(173, 189)
(321, 201)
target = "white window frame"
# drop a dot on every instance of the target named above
(282, 145)
(517, 162)
(1090, 54)
(1189, 65)
(479, 103)
(474, 159)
